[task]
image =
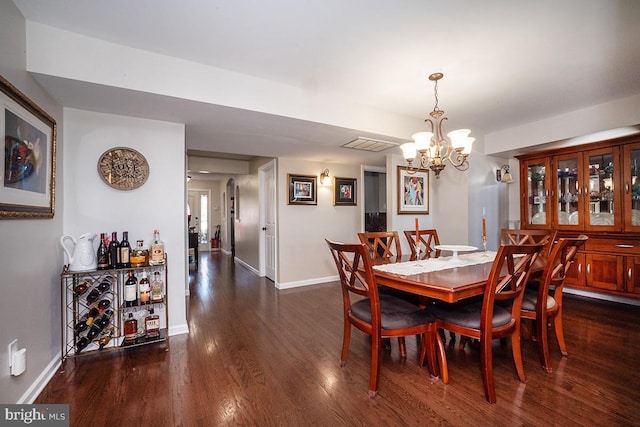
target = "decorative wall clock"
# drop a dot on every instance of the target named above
(123, 168)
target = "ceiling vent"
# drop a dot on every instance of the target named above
(368, 144)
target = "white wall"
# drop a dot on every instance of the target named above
(29, 249)
(303, 255)
(92, 206)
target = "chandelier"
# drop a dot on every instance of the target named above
(432, 148)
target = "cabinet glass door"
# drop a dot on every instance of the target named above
(537, 192)
(631, 183)
(603, 210)
(568, 213)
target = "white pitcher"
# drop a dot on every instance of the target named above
(84, 255)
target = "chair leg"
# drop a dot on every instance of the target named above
(486, 365)
(403, 347)
(517, 354)
(557, 322)
(346, 339)
(542, 336)
(462, 343)
(376, 351)
(442, 360)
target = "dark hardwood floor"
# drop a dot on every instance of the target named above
(256, 356)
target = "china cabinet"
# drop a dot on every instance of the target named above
(589, 189)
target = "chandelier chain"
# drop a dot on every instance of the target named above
(435, 92)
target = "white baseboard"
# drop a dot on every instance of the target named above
(40, 383)
(247, 266)
(309, 282)
(604, 297)
(178, 329)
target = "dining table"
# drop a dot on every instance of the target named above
(444, 278)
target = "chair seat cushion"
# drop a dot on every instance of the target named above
(468, 315)
(396, 313)
(530, 300)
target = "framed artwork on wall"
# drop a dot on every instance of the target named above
(302, 189)
(27, 189)
(344, 191)
(413, 191)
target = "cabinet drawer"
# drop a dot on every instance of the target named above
(618, 246)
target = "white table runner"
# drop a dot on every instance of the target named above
(434, 264)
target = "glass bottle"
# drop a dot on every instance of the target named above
(105, 338)
(82, 343)
(125, 251)
(93, 312)
(131, 290)
(157, 288)
(144, 288)
(156, 255)
(104, 320)
(114, 250)
(130, 330)
(103, 253)
(139, 255)
(82, 325)
(152, 325)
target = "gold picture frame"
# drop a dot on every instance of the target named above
(27, 189)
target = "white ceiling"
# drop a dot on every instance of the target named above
(505, 62)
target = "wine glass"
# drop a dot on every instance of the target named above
(484, 245)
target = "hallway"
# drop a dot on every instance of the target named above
(256, 356)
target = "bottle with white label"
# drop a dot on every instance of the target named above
(131, 291)
(156, 254)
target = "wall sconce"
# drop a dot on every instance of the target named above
(504, 176)
(325, 179)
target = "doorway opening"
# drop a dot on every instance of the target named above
(375, 201)
(231, 216)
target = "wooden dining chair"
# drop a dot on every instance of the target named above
(383, 244)
(386, 244)
(378, 315)
(425, 242)
(510, 236)
(485, 320)
(544, 301)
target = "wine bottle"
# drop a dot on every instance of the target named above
(93, 296)
(104, 304)
(94, 330)
(125, 251)
(103, 253)
(130, 330)
(144, 288)
(103, 321)
(114, 250)
(82, 344)
(105, 338)
(81, 326)
(91, 316)
(131, 291)
(156, 255)
(105, 285)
